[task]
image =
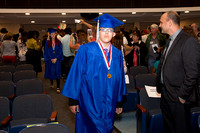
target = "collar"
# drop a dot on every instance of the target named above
(175, 34)
(106, 47)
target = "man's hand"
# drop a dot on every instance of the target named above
(182, 101)
(119, 110)
(74, 109)
(158, 50)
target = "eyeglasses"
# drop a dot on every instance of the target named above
(106, 29)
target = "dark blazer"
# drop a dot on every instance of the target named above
(181, 69)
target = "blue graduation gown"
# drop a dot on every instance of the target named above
(98, 95)
(53, 71)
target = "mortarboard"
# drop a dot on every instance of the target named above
(108, 21)
(52, 30)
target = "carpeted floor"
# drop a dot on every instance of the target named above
(124, 123)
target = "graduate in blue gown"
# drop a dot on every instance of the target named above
(96, 83)
(53, 56)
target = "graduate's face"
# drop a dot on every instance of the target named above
(106, 34)
(53, 35)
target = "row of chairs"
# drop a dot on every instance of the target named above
(12, 68)
(16, 76)
(149, 116)
(138, 78)
(26, 110)
(26, 86)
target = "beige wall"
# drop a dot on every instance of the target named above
(42, 28)
(13, 28)
(189, 22)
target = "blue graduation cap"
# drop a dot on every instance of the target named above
(52, 30)
(108, 21)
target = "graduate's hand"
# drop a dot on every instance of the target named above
(53, 60)
(74, 109)
(119, 110)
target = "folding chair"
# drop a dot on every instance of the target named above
(131, 98)
(4, 112)
(46, 128)
(23, 67)
(5, 76)
(145, 79)
(26, 74)
(149, 116)
(31, 109)
(199, 122)
(195, 113)
(7, 68)
(29, 86)
(138, 70)
(7, 89)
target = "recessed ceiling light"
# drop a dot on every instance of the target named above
(133, 12)
(63, 21)
(32, 22)
(63, 13)
(187, 11)
(124, 20)
(27, 13)
(100, 13)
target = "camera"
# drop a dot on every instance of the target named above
(89, 31)
(155, 48)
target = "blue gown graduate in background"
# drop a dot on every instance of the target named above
(97, 82)
(53, 56)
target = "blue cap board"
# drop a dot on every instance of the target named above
(52, 30)
(107, 21)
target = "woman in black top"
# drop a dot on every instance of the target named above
(137, 56)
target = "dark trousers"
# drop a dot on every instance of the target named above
(66, 65)
(57, 81)
(176, 115)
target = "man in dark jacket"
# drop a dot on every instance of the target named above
(178, 74)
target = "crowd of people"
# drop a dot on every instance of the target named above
(139, 47)
(65, 57)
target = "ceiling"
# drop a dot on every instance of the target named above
(54, 16)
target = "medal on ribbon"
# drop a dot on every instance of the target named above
(109, 75)
(106, 59)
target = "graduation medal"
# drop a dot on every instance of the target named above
(109, 75)
(106, 59)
